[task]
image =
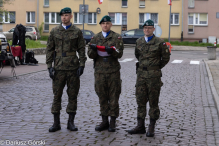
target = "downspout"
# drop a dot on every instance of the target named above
(38, 14)
(182, 23)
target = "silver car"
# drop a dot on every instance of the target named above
(32, 33)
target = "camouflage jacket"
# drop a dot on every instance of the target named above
(155, 53)
(61, 41)
(112, 65)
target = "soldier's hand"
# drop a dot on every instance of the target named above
(80, 71)
(109, 50)
(51, 72)
(93, 47)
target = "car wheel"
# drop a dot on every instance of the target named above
(28, 38)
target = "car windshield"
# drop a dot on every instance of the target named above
(139, 32)
(130, 33)
(87, 33)
(29, 29)
(12, 30)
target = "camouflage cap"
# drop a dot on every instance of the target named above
(149, 22)
(65, 10)
(105, 18)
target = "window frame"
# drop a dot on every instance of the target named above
(30, 17)
(141, 6)
(194, 19)
(78, 18)
(126, 4)
(145, 18)
(92, 18)
(44, 3)
(120, 18)
(8, 13)
(188, 29)
(174, 19)
(191, 7)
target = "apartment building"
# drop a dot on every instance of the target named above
(125, 14)
(19, 12)
(201, 19)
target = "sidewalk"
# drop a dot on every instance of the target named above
(213, 75)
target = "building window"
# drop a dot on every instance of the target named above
(30, 17)
(217, 15)
(52, 18)
(190, 28)
(46, 2)
(124, 21)
(141, 3)
(7, 17)
(118, 18)
(198, 19)
(46, 21)
(145, 16)
(92, 18)
(1, 3)
(124, 3)
(76, 18)
(191, 3)
(174, 19)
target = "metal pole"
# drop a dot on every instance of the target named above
(83, 15)
(169, 23)
(38, 14)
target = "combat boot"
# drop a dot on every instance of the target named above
(71, 126)
(140, 128)
(56, 125)
(150, 131)
(103, 125)
(112, 126)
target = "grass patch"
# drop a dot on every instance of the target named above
(44, 38)
(31, 44)
(187, 43)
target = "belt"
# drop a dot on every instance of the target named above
(150, 68)
(65, 54)
(104, 58)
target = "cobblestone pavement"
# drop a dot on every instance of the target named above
(188, 114)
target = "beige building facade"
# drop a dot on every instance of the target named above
(19, 12)
(125, 14)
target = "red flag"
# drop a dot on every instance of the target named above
(169, 2)
(100, 1)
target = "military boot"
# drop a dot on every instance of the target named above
(71, 126)
(56, 125)
(112, 126)
(103, 125)
(150, 131)
(140, 128)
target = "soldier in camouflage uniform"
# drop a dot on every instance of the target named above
(152, 54)
(63, 42)
(107, 72)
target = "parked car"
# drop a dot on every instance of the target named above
(88, 34)
(130, 36)
(31, 33)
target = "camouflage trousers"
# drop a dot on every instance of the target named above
(148, 89)
(73, 84)
(108, 89)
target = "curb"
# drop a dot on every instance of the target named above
(213, 89)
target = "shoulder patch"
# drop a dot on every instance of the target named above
(164, 44)
(119, 37)
(92, 37)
